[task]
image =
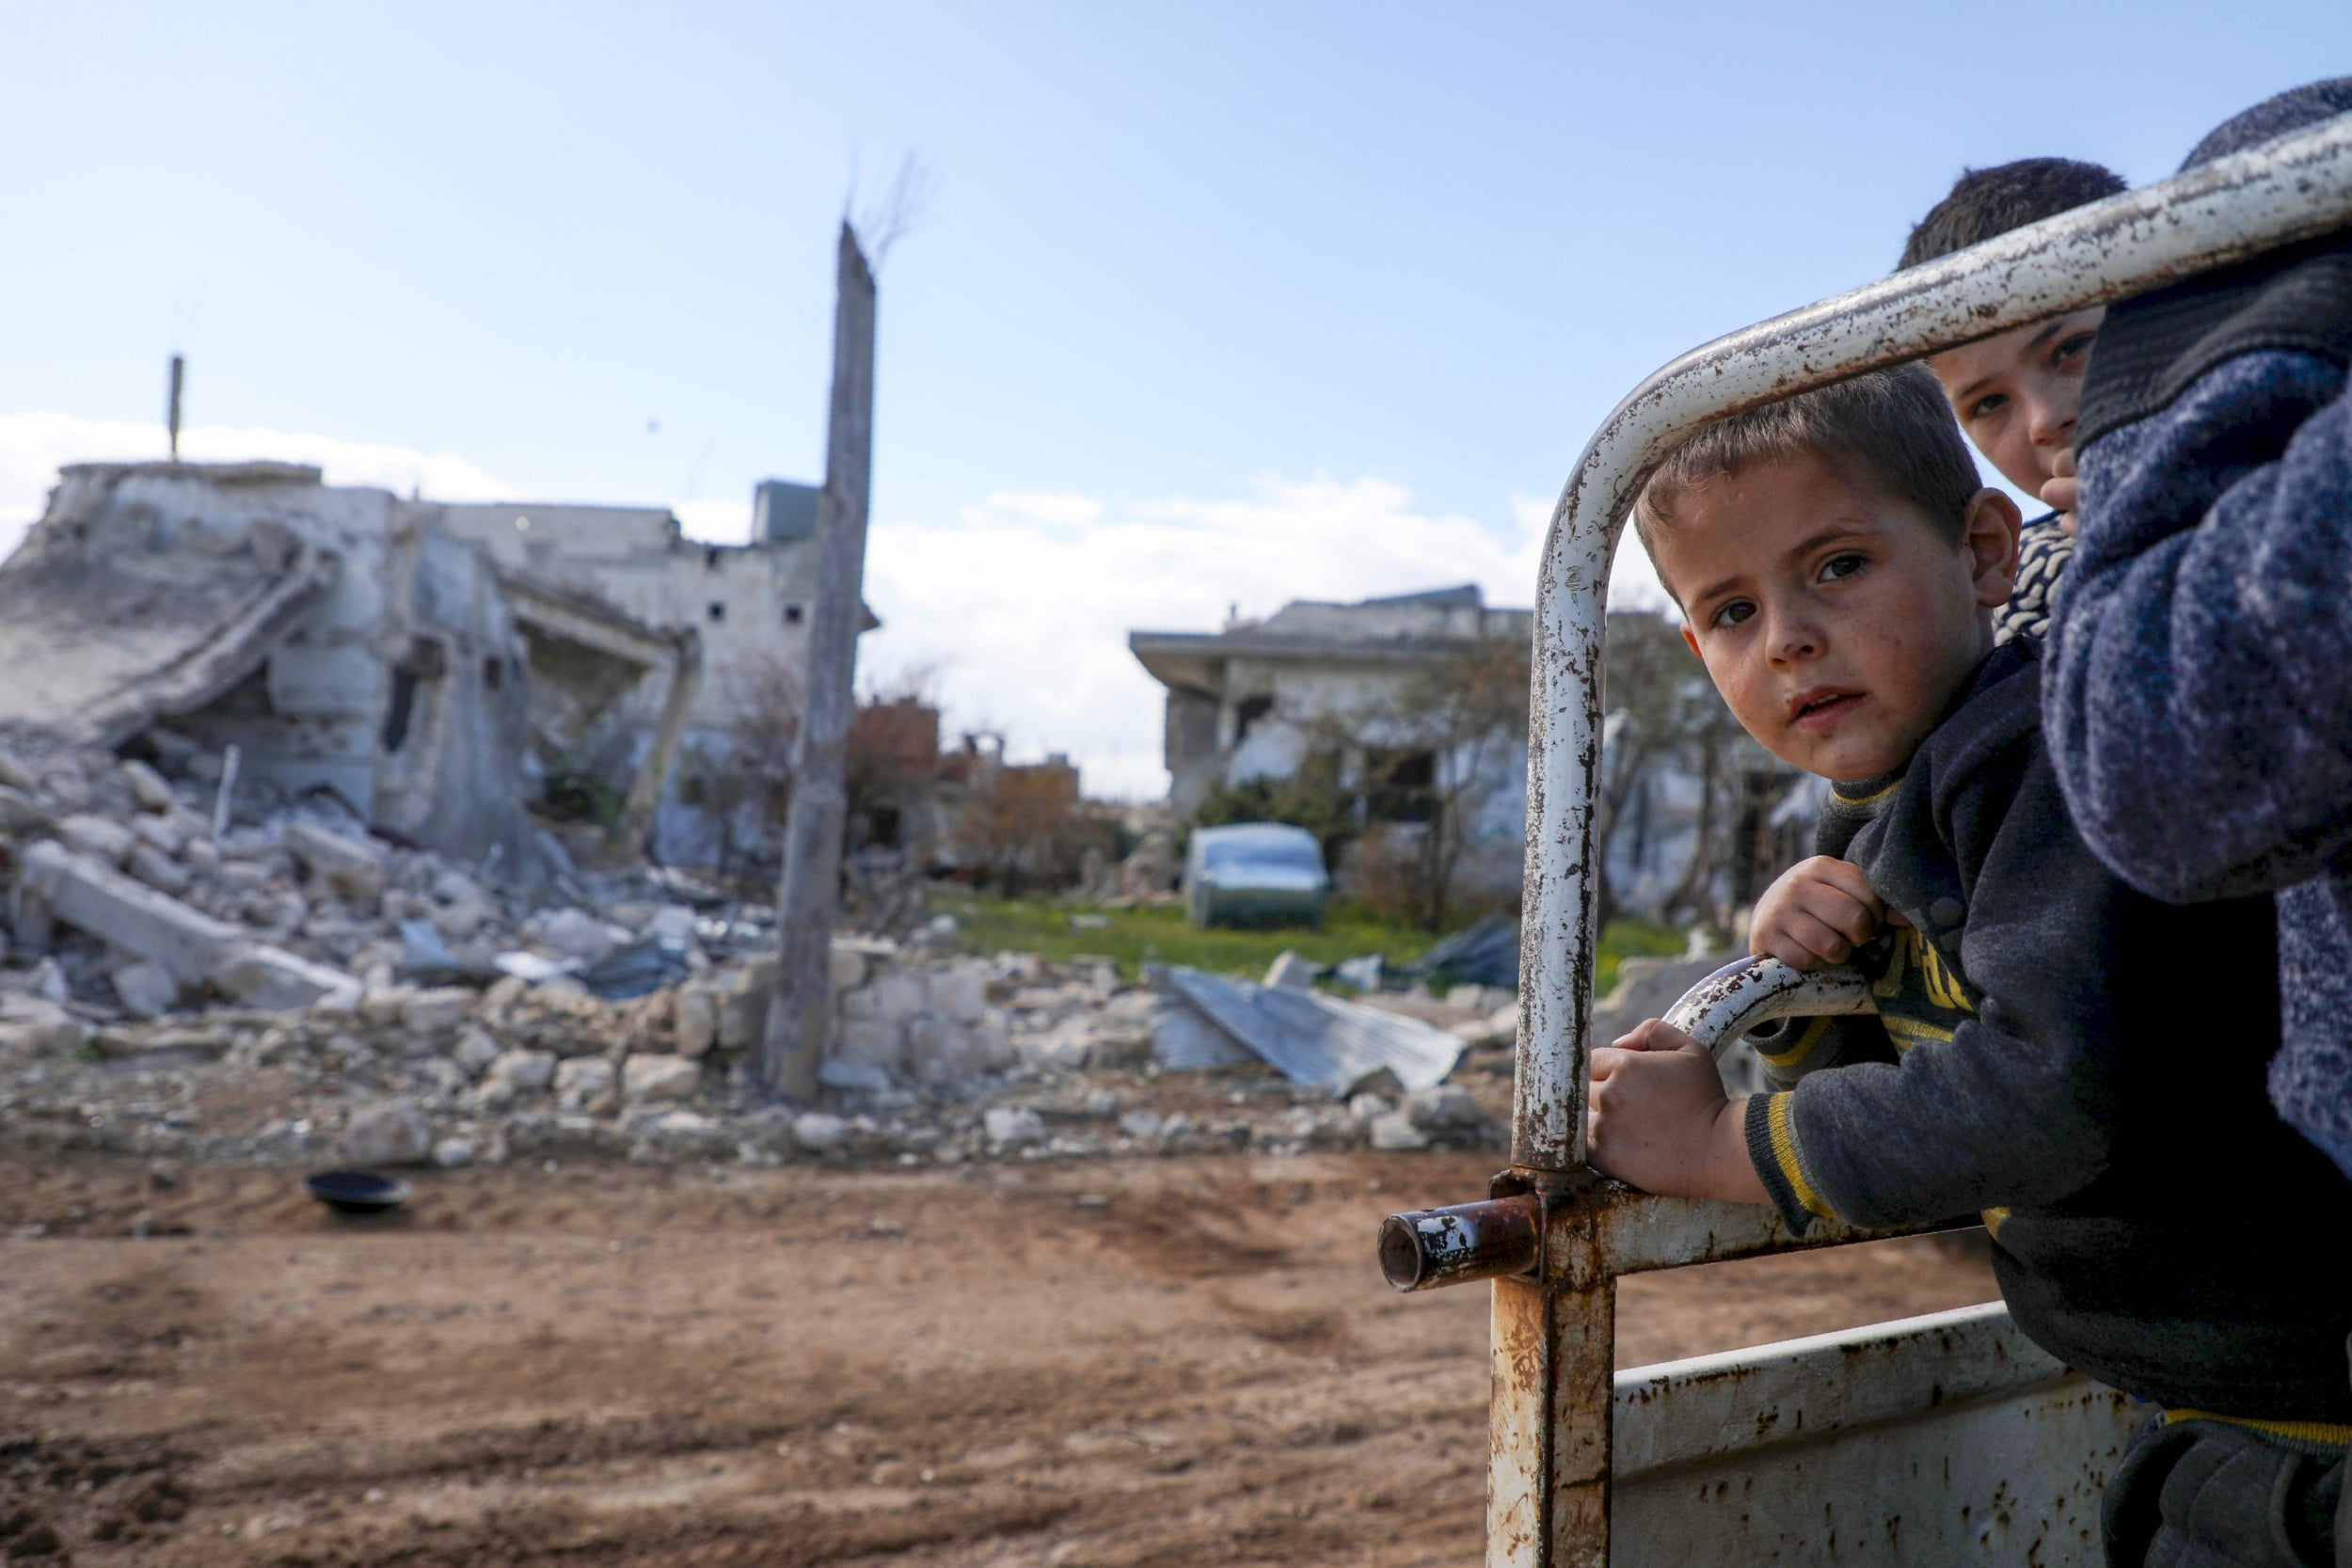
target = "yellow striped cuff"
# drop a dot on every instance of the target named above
(2331, 1434)
(1790, 1160)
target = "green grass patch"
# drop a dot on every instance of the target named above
(1132, 938)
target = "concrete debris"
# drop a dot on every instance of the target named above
(1290, 970)
(295, 989)
(392, 1133)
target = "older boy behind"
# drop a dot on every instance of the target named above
(2075, 1060)
(2017, 393)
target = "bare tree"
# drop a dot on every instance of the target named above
(902, 206)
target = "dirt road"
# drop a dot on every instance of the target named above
(1154, 1362)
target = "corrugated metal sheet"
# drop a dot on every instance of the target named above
(1312, 1038)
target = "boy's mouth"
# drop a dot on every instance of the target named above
(1821, 706)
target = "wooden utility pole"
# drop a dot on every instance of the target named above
(809, 897)
(171, 403)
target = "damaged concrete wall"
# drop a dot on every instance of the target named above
(337, 641)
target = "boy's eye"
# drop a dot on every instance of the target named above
(1986, 404)
(1732, 613)
(1844, 565)
(2071, 351)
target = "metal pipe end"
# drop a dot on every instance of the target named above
(1492, 1239)
(1401, 1262)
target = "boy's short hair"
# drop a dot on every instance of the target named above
(1892, 426)
(1985, 202)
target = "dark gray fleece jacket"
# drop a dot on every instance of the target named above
(2081, 1064)
(2200, 697)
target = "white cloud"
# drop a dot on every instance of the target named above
(1057, 508)
(34, 446)
(716, 519)
(1028, 617)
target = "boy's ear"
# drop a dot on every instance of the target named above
(1989, 534)
(1690, 643)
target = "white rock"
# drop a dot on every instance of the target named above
(961, 994)
(392, 1133)
(475, 1050)
(697, 1021)
(524, 1069)
(581, 1081)
(462, 920)
(1291, 971)
(158, 870)
(97, 838)
(816, 1131)
(896, 997)
(938, 1048)
(452, 1153)
(202, 856)
(19, 811)
(146, 989)
(428, 1012)
(1012, 1126)
(1368, 1107)
(1140, 1124)
(672, 924)
(351, 868)
(1442, 1108)
(578, 934)
(147, 786)
(168, 833)
(656, 1077)
(452, 886)
(1395, 1132)
(853, 1073)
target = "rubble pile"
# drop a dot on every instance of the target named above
(294, 990)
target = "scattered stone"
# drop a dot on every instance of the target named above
(959, 994)
(391, 1133)
(20, 813)
(1012, 1126)
(146, 989)
(525, 1069)
(475, 1050)
(147, 786)
(1444, 1108)
(578, 934)
(429, 1012)
(1393, 1132)
(582, 1081)
(853, 1073)
(816, 1133)
(646, 1077)
(1140, 1124)
(99, 837)
(1291, 970)
(695, 1021)
(452, 1153)
(349, 867)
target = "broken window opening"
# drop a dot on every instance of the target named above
(791, 615)
(492, 672)
(718, 610)
(1250, 710)
(710, 559)
(883, 828)
(402, 708)
(1402, 786)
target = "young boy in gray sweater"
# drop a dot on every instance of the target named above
(2079, 1063)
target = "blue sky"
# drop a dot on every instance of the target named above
(1216, 305)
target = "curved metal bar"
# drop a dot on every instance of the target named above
(1740, 996)
(2236, 207)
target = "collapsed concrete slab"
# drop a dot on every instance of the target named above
(193, 949)
(112, 617)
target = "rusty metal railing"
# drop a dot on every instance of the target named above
(1554, 1312)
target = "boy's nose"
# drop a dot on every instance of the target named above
(1792, 639)
(2053, 423)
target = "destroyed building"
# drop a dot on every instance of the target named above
(1260, 698)
(1699, 815)
(428, 665)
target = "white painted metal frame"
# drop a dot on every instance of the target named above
(1550, 1468)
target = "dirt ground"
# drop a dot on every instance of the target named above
(1151, 1362)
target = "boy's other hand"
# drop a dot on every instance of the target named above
(1657, 1118)
(1817, 912)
